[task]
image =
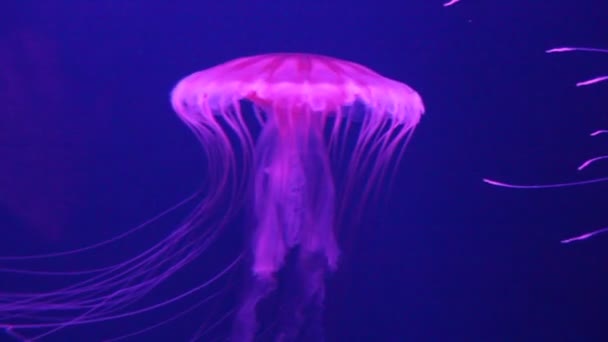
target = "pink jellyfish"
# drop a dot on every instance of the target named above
(275, 130)
(585, 164)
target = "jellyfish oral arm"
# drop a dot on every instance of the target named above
(294, 197)
(294, 209)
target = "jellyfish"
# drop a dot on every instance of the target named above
(583, 165)
(287, 138)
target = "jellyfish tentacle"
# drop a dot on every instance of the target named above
(583, 49)
(586, 235)
(584, 165)
(591, 161)
(598, 132)
(450, 3)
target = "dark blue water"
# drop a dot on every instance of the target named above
(89, 146)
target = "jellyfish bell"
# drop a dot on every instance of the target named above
(279, 169)
(296, 89)
(315, 82)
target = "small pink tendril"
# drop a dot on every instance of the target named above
(450, 3)
(584, 49)
(592, 81)
(598, 132)
(592, 160)
(584, 165)
(586, 235)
